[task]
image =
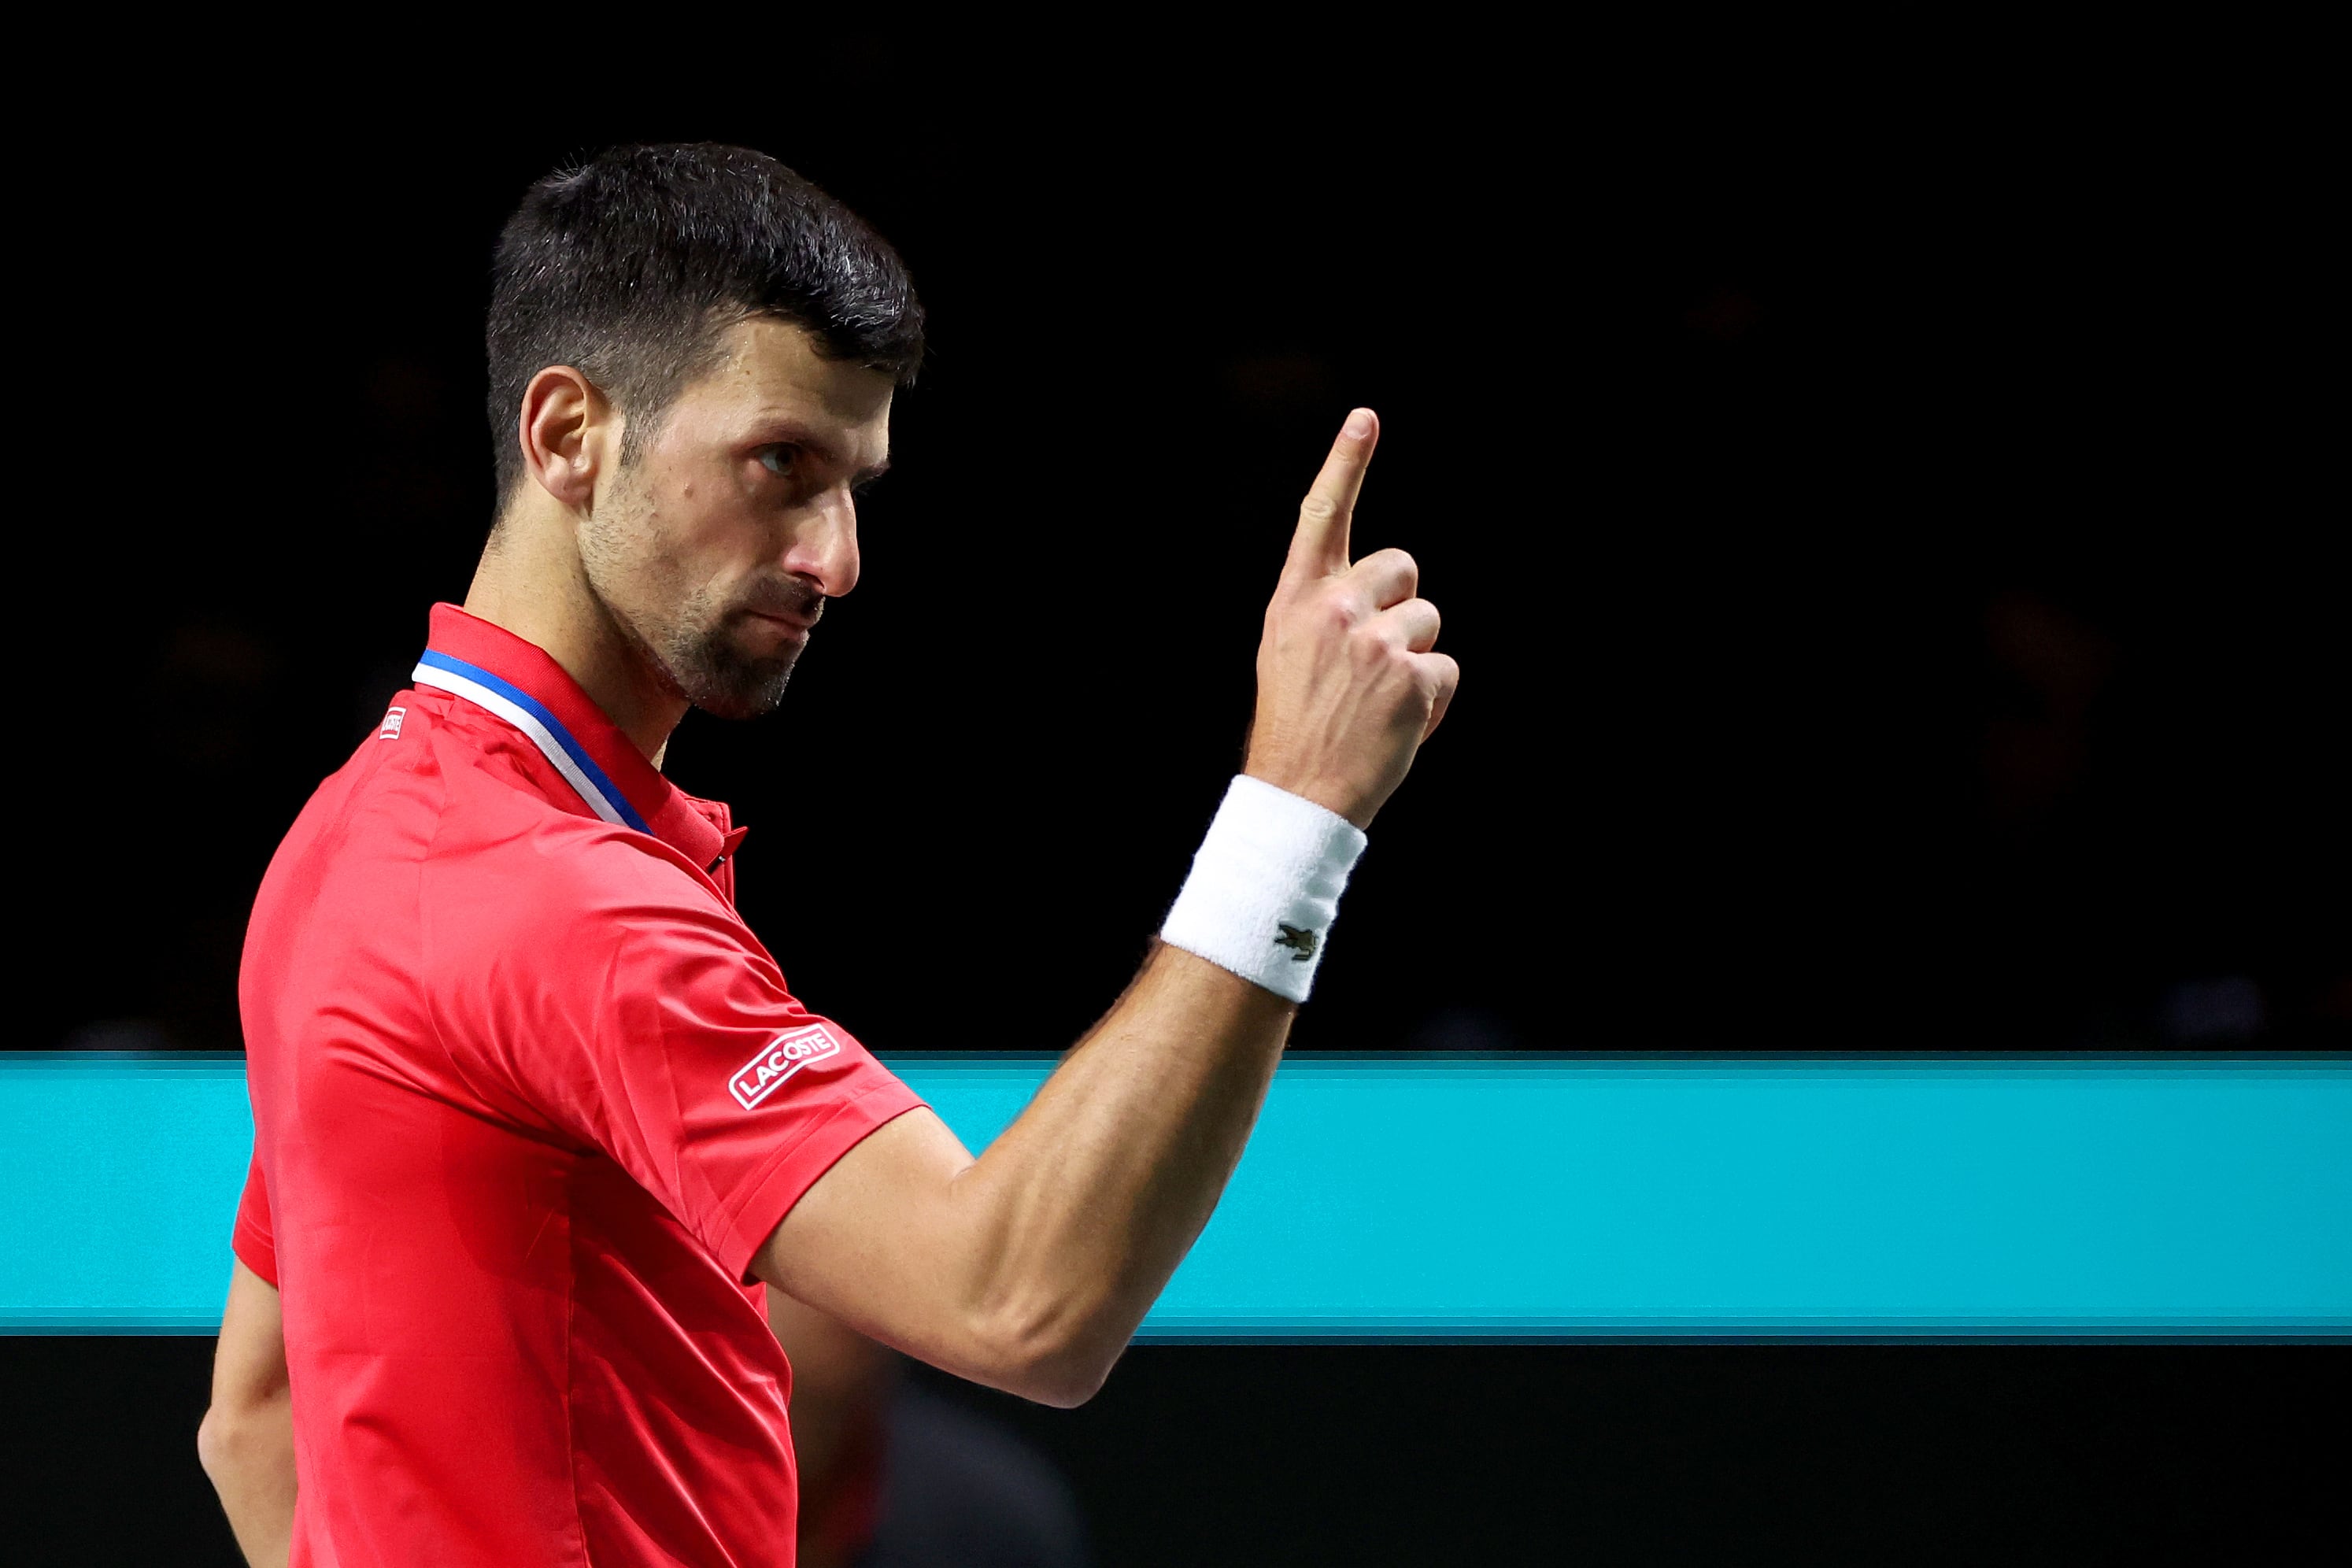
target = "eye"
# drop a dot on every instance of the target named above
(778, 459)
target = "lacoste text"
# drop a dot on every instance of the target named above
(782, 1056)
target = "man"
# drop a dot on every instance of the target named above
(537, 1118)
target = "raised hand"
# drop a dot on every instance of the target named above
(1347, 685)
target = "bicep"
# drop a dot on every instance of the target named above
(879, 1242)
(249, 1366)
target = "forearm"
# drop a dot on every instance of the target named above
(1029, 1268)
(1088, 1203)
(248, 1453)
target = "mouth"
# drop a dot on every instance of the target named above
(794, 606)
(781, 635)
(775, 635)
(794, 620)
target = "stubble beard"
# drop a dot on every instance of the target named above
(698, 660)
(686, 643)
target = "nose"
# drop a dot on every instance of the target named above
(824, 548)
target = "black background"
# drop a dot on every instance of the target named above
(1423, 1455)
(1875, 497)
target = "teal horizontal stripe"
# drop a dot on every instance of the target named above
(1451, 1199)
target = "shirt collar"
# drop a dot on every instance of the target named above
(498, 671)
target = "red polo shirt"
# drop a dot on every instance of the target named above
(527, 1096)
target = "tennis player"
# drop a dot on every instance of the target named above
(538, 1118)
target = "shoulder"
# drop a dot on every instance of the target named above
(563, 943)
(553, 884)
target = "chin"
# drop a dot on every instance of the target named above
(726, 682)
(745, 691)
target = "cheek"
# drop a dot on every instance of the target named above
(667, 532)
(703, 513)
(702, 518)
(714, 542)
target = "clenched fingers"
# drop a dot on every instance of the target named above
(1319, 547)
(1446, 677)
(1411, 624)
(1385, 577)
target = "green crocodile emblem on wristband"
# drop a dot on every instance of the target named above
(1304, 941)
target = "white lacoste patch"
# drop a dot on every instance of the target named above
(392, 721)
(779, 1059)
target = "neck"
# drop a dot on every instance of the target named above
(530, 582)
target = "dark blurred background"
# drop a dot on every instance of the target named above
(1877, 511)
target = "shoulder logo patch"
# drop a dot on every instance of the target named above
(779, 1059)
(392, 723)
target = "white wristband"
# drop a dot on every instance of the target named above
(1265, 887)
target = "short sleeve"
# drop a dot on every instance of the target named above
(253, 1241)
(681, 1054)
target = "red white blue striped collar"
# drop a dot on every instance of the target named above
(506, 676)
(527, 713)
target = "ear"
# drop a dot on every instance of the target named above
(570, 434)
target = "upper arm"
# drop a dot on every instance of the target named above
(881, 1242)
(249, 1366)
(254, 1240)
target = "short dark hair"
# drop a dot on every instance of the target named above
(633, 266)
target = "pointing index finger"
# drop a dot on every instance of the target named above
(1320, 546)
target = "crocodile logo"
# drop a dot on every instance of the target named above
(1292, 937)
